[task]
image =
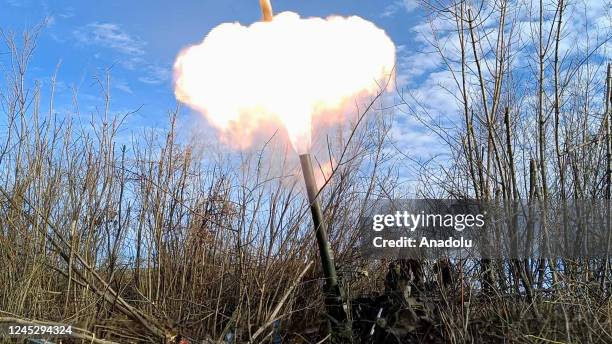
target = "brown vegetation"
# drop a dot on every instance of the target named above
(158, 240)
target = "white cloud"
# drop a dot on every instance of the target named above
(111, 36)
(122, 86)
(68, 13)
(428, 82)
(406, 5)
(415, 140)
(389, 11)
(155, 75)
(132, 63)
(417, 64)
(130, 51)
(17, 3)
(50, 20)
(410, 5)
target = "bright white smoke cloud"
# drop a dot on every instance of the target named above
(288, 73)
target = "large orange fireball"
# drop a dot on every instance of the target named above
(286, 72)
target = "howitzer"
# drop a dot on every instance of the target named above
(334, 296)
(340, 328)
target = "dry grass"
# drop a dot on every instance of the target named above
(143, 241)
(155, 239)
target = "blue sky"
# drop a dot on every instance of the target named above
(139, 40)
